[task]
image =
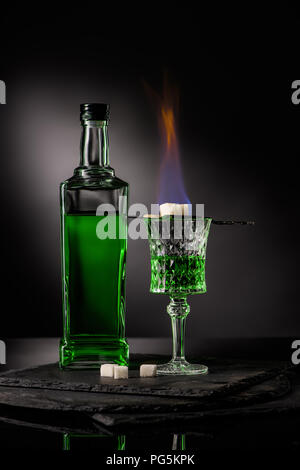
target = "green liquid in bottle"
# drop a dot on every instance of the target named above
(94, 292)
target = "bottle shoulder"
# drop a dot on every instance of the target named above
(94, 182)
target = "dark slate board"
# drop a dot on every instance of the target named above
(221, 381)
(92, 403)
(258, 399)
(47, 398)
(83, 412)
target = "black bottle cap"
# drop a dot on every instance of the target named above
(94, 112)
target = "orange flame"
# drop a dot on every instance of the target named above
(169, 125)
(171, 187)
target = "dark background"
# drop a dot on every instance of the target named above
(238, 134)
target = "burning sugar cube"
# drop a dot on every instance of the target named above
(148, 370)
(120, 372)
(170, 208)
(107, 370)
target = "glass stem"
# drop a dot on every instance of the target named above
(178, 309)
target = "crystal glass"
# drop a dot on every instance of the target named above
(178, 252)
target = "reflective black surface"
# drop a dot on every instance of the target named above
(272, 429)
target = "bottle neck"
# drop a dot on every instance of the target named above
(94, 152)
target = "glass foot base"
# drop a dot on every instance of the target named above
(181, 368)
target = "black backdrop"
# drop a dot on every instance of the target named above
(238, 132)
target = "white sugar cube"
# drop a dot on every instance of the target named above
(170, 208)
(107, 370)
(148, 370)
(186, 209)
(120, 372)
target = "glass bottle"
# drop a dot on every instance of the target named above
(93, 206)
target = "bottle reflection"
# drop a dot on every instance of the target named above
(90, 441)
(73, 441)
(178, 442)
